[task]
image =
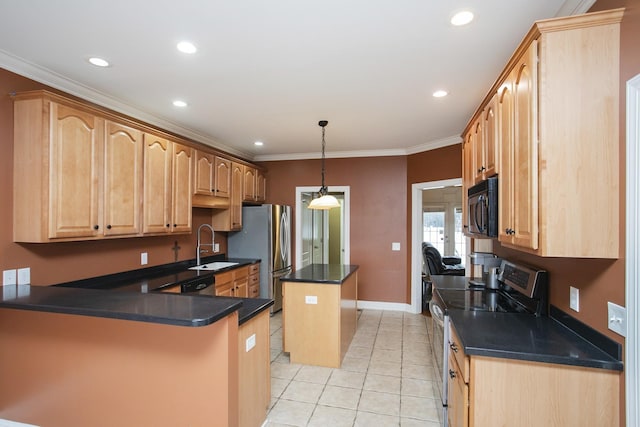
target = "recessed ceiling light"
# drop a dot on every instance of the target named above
(440, 93)
(99, 62)
(258, 143)
(186, 47)
(462, 18)
(178, 103)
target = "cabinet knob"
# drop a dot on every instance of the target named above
(175, 225)
(482, 169)
(168, 225)
(109, 227)
(96, 227)
(454, 348)
(452, 373)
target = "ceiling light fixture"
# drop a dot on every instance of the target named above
(99, 62)
(462, 18)
(186, 47)
(440, 93)
(258, 143)
(178, 103)
(324, 200)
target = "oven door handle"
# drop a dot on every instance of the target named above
(436, 313)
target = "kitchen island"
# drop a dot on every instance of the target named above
(72, 357)
(319, 313)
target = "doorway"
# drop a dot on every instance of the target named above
(417, 236)
(322, 236)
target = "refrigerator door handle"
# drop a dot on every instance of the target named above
(284, 238)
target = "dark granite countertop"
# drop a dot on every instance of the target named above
(147, 280)
(334, 274)
(158, 307)
(526, 337)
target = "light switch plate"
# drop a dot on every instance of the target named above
(24, 276)
(9, 277)
(617, 318)
(216, 247)
(395, 246)
(250, 343)
(144, 258)
(574, 298)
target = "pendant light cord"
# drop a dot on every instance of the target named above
(323, 189)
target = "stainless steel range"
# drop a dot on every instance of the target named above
(521, 289)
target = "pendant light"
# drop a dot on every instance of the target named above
(324, 200)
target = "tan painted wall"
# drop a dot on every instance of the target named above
(60, 262)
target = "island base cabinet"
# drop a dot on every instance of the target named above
(61, 370)
(513, 393)
(319, 321)
(254, 370)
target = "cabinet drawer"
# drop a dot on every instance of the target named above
(222, 278)
(457, 351)
(254, 291)
(240, 272)
(254, 279)
(254, 268)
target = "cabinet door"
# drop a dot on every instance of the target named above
(223, 177)
(204, 173)
(490, 141)
(74, 172)
(468, 176)
(237, 176)
(122, 179)
(157, 184)
(249, 185)
(181, 185)
(261, 186)
(458, 398)
(505, 183)
(478, 156)
(525, 150)
(224, 284)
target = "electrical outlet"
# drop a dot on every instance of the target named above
(216, 247)
(24, 276)
(395, 246)
(310, 299)
(574, 298)
(9, 277)
(617, 318)
(250, 343)
(143, 258)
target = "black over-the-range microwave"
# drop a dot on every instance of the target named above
(483, 208)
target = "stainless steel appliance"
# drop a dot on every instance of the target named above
(483, 208)
(485, 262)
(521, 289)
(201, 285)
(266, 234)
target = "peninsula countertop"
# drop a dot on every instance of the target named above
(333, 274)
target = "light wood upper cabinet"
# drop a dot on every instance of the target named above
(167, 186)
(122, 179)
(230, 219)
(223, 177)
(249, 186)
(490, 141)
(558, 134)
(468, 176)
(261, 186)
(204, 173)
(74, 172)
(77, 174)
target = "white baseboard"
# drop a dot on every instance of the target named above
(379, 305)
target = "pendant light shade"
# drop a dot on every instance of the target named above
(324, 200)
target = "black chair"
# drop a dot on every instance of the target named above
(437, 265)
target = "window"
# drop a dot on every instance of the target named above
(433, 228)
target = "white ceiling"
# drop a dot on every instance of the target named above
(269, 70)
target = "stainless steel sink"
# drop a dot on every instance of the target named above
(213, 266)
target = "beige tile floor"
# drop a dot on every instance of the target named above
(386, 378)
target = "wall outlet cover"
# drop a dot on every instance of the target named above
(144, 259)
(9, 277)
(311, 299)
(24, 276)
(617, 318)
(395, 246)
(574, 298)
(250, 343)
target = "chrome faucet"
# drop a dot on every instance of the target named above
(212, 244)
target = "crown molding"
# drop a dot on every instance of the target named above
(50, 78)
(575, 7)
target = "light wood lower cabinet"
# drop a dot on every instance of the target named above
(254, 370)
(254, 280)
(320, 320)
(233, 283)
(494, 392)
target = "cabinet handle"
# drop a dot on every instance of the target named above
(454, 348)
(109, 227)
(452, 373)
(482, 169)
(175, 225)
(168, 225)
(96, 227)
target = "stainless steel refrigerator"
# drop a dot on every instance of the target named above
(266, 234)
